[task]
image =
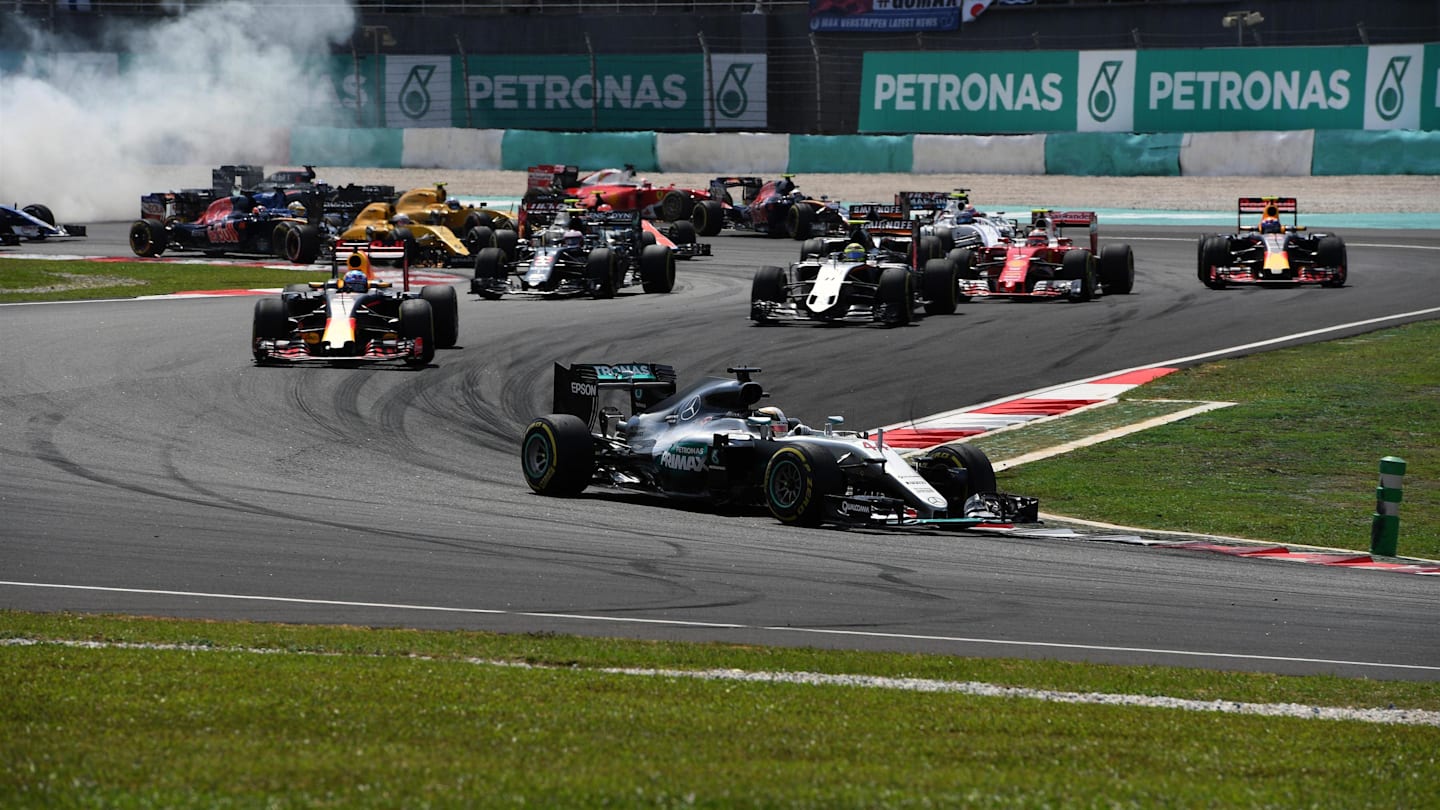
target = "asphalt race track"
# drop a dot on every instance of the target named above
(151, 468)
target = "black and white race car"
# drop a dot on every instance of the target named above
(1271, 252)
(712, 441)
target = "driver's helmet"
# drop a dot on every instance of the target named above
(1271, 225)
(778, 424)
(854, 252)
(355, 281)
(785, 185)
(453, 204)
(551, 236)
(1037, 238)
(297, 209)
(573, 239)
(402, 219)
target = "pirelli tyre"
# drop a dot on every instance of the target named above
(767, 287)
(417, 322)
(40, 212)
(298, 243)
(683, 232)
(812, 248)
(708, 217)
(600, 269)
(557, 455)
(941, 287)
(798, 480)
(148, 237)
(444, 312)
(272, 322)
(964, 261)
(478, 238)
(1330, 253)
(676, 206)
(657, 269)
(926, 247)
(1215, 252)
(1079, 265)
(799, 221)
(895, 296)
(957, 471)
(1117, 269)
(489, 273)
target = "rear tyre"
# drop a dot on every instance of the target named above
(479, 238)
(676, 206)
(683, 232)
(489, 272)
(302, 243)
(927, 247)
(1330, 252)
(1080, 265)
(799, 221)
(657, 269)
(600, 272)
(557, 455)
(708, 217)
(812, 248)
(417, 322)
(272, 322)
(798, 479)
(894, 296)
(445, 314)
(958, 471)
(941, 287)
(1117, 269)
(147, 237)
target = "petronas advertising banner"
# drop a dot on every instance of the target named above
(1201, 90)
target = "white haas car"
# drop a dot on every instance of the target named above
(711, 442)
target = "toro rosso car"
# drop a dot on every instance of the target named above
(776, 209)
(1045, 264)
(355, 318)
(581, 252)
(258, 224)
(34, 222)
(1272, 252)
(712, 442)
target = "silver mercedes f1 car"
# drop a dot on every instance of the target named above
(712, 441)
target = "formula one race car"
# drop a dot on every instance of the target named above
(34, 222)
(858, 279)
(258, 224)
(712, 442)
(953, 219)
(355, 318)
(579, 252)
(328, 207)
(1046, 264)
(1272, 252)
(621, 189)
(776, 208)
(437, 229)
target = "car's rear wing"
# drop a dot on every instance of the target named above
(875, 212)
(552, 176)
(1268, 207)
(749, 187)
(374, 252)
(581, 388)
(1069, 219)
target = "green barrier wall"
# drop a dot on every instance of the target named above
(523, 148)
(1391, 152)
(1113, 154)
(830, 154)
(337, 146)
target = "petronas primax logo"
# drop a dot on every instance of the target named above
(1102, 91)
(731, 100)
(415, 92)
(1390, 95)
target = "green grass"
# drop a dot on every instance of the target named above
(391, 718)
(24, 280)
(1296, 461)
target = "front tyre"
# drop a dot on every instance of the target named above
(957, 471)
(557, 455)
(417, 322)
(1079, 265)
(445, 314)
(798, 479)
(708, 217)
(941, 285)
(272, 322)
(894, 296)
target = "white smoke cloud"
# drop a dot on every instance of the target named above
(87, 133)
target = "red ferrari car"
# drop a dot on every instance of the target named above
(620, 189)
(1045, 264)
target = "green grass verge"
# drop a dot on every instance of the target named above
(1296, 461)
(396, 718)
(27, 280)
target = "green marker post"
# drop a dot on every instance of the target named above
(1385, 527)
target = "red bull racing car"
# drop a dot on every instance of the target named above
(1272, 252)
